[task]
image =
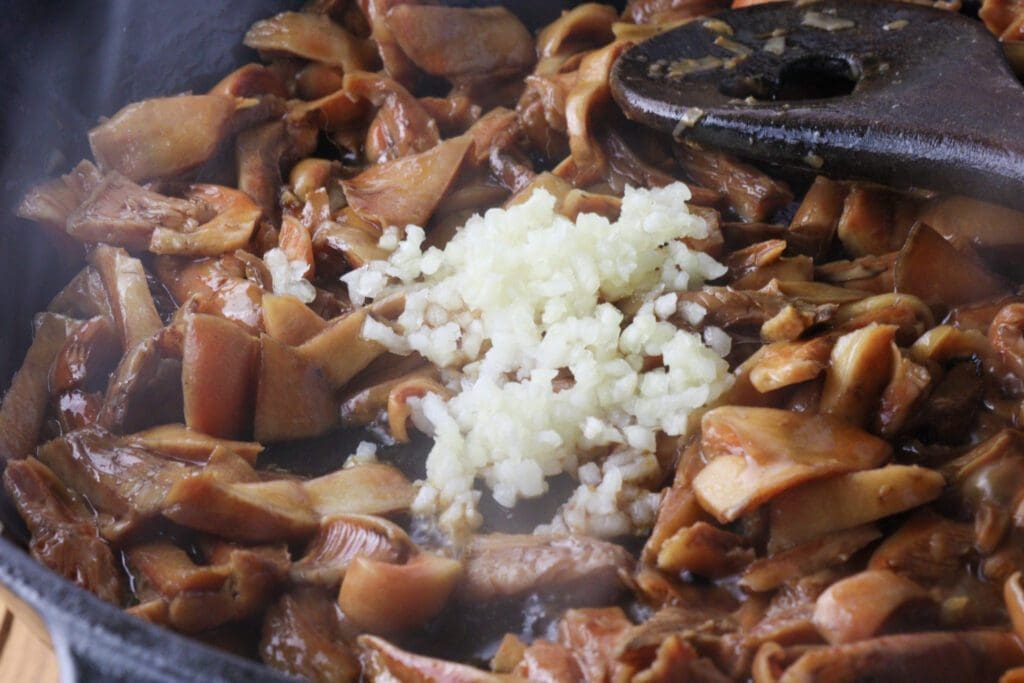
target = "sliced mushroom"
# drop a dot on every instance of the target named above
(406, 191)
(547, 661)
(344, 537)
(64, 536)
(458, 43)
(218, 376)
(53, 202)
(911, 658)
(289, 321)
(118, 479)
(704, 550)
(366, 489)
(849, 500)
(586, 26)
(82, 297)
(303, 635)
(991, 229)
(253, 512)
(228, 231)
(911, 316)
(592, 635)
(815, 223)
(927, 548)
(908, 384)
(875, 274)
(506, 565)
(180, 442)
(383, 662)
(402, 126)
(875, 220)
(293, 398)
(807, 558)
(310, 36)
(340, 350)
(872, 603)
(1006, 334)
(754, 454)
(163, 137)
(128, 292)
(260, 153)
(589, 95)
(750, 193)
(251, 80)
(931, 268)
(859, 371)
(24, 405)
(201, 597)
(382, 597)
(784, 364)
(217, 286)
(145, 389)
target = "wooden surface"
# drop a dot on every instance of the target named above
(24, 657)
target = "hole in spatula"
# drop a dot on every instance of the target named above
(815, 77)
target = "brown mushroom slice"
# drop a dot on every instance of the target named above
(382, 597)
(875, 274)
(815, 293)
(507, 565)
(931, 268)
(252, 512)
(200, 598)
(82, 297)
(875, 220)
(750, 193)
(994, 230)
(310, 36)
(1013, 595)
(927, 548)
(911, 315)
(704, 550)
(383, 663)
(340, 350)
(365, 489)
(217, 286)
(849, 500)
(228, 231)
(262, 150)
(128, 292)
(695, 620)
(121, 480)
(331, 112)
(911, 658)
(218, 376)
(543, 660)
(344, 537)
(458, 43)
(771, 572)
(289, 321)
(908, 384)
(592, 634)
(179, 442)
(64, 535)
(24, 405)
(754, 454)
(398, 409)
(858, 373)
(162, 137)
(145, 387)
(87, 357)
(302, 635)
(251, 80)
(815, 223)
(870, 604)
(584, 27)
(1006, 334)
(784, 364)
(51, 203)
(293, 398)
(589, 95)
(347, 242)
(402, 125)
(660, 11)
(119, 212)
(407, 191)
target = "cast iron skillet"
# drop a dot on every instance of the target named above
(64, 65)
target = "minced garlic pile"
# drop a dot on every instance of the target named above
(546, 373)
